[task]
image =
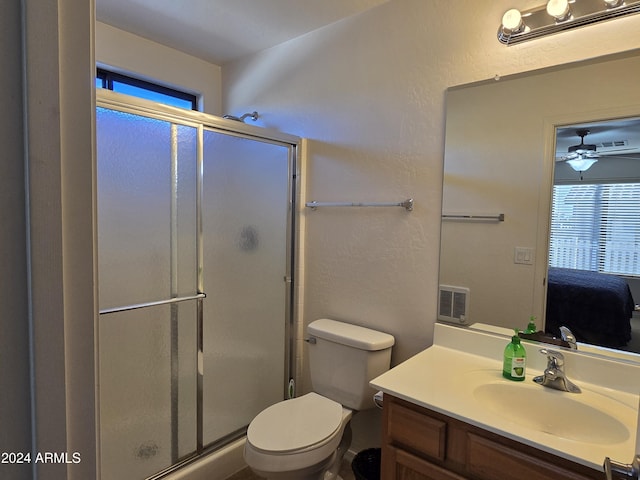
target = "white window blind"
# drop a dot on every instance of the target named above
(596, 227)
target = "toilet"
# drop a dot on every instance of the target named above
(305, 438)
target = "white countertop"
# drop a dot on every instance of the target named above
(443, 379)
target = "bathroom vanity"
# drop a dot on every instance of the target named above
(449, 414)
(419, 443)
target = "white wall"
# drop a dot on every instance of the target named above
(369, 93)
(46, 280)
(131, 54)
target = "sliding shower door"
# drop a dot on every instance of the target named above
(147, 257)
(245, 239)
(195, 290)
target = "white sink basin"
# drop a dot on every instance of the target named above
(584, 417)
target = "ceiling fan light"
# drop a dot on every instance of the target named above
(581, 164)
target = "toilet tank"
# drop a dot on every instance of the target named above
(343, 358)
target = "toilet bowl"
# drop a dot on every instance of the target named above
(297, 438)
(306, 437)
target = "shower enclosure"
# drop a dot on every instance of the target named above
(195, 258)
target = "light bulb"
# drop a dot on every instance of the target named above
(559, 9)
(512, 21)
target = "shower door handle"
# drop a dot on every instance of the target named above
(152, 304)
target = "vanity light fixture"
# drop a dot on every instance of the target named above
(559, 15)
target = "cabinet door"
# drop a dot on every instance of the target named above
(492, 461)
(416, 431)
(401, 465)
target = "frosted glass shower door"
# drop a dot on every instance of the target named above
(245, 243)
(185, 207)
(147, 255)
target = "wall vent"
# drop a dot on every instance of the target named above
(453, 304)
(618, 147)
(614, 143)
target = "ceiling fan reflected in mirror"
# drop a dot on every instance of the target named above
(615, 140)
(581, 157)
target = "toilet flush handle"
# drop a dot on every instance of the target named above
(311, 340)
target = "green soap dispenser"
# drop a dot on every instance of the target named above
(531, 328)
(515, 360)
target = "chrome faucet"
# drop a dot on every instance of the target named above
(614, 470)
(569, 337)
(554, 376)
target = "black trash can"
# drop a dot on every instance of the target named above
(366, 464)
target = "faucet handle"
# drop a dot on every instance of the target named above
(569, 337)
(554, 357)
(614, 469)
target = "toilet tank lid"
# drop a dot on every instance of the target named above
(350, 335)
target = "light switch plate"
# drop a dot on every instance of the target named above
(523, 255)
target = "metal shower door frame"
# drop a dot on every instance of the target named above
(201, 121)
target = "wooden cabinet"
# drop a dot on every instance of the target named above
(419, 444)
(407, 466)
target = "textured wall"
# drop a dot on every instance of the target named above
(369, 94)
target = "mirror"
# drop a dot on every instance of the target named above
(500, 155)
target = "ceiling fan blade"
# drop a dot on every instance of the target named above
(619, 157)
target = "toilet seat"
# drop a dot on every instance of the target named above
(297, 435)
(296, 425)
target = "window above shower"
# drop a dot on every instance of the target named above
(143, 89)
